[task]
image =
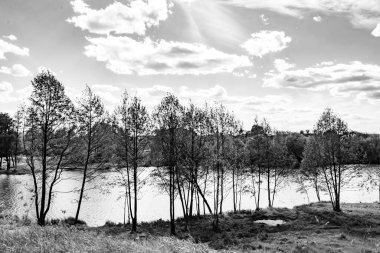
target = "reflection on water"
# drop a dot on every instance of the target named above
(104, 201)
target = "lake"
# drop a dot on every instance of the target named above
(104, 200)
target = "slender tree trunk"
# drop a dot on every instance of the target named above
(89, 144)
(204, 198)
(81, 190)
(268, 179)
(233, 190)
(134, 218)
(221, 189)
(16, 150)
(259, 191)
(8, 164)
(317, 188)
(41, 220)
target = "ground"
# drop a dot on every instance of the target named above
(308, 228)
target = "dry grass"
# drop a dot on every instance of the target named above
(308, 229)
(18, 238)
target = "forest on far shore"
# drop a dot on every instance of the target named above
(197, 152)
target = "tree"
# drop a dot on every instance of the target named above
(332, 135)
(311, 166)
(237, 162)
(295, 144)
(168, 120)
(222, 123)
(279, 166)
(18, 124)
(193, 156)
(7, 139)
(139, 125)
(255, 157)
(91, 116)
(50, 131)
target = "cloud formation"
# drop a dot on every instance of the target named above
(132, 18)
(317, 19)
(5, 87)
(282, 65)
(16, 70)
(376, 31)
(124, 55)
(363, 14)
(265, 42)
(10, 37)
(9, 48)
(215, 94)
(342, 80)
(264, 19)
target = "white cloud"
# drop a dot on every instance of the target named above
(317, 19)
(215, 94)
(376, 31)
(17, 70)
(154, 91)
(105, 87)
(10, 37)
(6, 87)
(219, 94)
(9, 48)
(364, 14)
(341, 80)
(265, 42)
(132, 18)
(106, 92)
(282, 65)
(264, 19)
(9, 95)
(124, 55)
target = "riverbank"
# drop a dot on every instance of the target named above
(21, 170)
(306, 228)
(16, 236)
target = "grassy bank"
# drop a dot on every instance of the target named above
(16, 237)
(307, 228)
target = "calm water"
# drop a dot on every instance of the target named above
(104, 200)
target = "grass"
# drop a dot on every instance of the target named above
(71, 239)
(308, 228)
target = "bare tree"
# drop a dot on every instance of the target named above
(332, 134)
(50, 131)
(140, 127)
(168, 120)
(91, 116)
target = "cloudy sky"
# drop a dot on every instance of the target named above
(285, 60)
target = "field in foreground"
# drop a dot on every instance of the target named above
(307, 228)
(19, 238)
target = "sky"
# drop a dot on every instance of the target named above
(285, 60)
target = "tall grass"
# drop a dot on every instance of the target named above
(70, 239)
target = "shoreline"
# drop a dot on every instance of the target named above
(307, 228)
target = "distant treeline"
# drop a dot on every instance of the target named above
(197, 152)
